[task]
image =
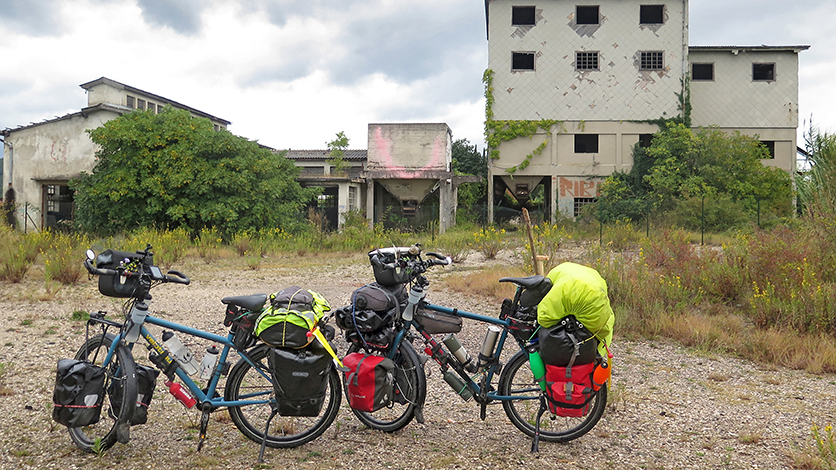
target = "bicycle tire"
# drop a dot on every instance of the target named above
(113, 425)
(409, 394)
(285, 431)
(517, 379)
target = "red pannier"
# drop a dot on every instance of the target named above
(569, 390)
(369, 381)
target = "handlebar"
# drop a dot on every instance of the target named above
(173, 276)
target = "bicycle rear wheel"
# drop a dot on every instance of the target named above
(409, 394)
(114, 425)
(518, 380)
(246, 382)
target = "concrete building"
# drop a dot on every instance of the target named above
(595, 72)
(41, 158)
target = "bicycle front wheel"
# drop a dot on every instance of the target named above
(409, 392)
(518, 380)
(114, 425)
(246, 382)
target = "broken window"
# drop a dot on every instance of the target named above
(770, 148)
(702, 71)
(586, 60)
(586, 143)
(652, 14)
(586, 14)
(763, 72)
(522, 61)
(652, 60)
(522, 16)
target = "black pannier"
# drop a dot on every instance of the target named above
(146, 378)
(438, 322)
(120, 286)
(568, 343)
(300, 378)
(78, 393)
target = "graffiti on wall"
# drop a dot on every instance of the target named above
(576, 187)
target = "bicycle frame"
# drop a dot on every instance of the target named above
(209, 395)
(490, 371)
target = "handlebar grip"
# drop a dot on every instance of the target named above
(98, 271)
(178, 277)
(439, 261)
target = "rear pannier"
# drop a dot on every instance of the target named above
(78, 393)
(300, 378)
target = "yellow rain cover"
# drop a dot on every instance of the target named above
(580, 291)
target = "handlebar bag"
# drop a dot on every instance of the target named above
(293, 313)
(384, 273)
(438, 322)
(146, 383)
(369, 381)
(120, 286)
(569, 389)
(78, 393)
(300, 378)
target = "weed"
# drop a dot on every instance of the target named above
(79, 315)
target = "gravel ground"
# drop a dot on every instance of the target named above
(669, 407)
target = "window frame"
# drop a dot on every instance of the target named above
(515, 8)
(694, 75)
(583, 141)
(578, 14)
(651, 60)
(533, 55)
(579, 60)
(770, 148)
(761, 64)
(661, 14)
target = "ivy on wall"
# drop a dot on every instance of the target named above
(498, 131)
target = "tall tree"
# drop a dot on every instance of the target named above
(173, 170)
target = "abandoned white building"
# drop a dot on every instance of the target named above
(404, 163)
(41, 158)
(596, 72)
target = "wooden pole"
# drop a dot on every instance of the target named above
(537, 267)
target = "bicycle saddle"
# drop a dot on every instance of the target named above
(527, 282)
(252, 302)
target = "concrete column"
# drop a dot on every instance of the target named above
(370, 201)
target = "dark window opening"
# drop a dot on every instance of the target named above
(586, 143)
(522, 61)
(522, 16)
(140, 104)
(59, 205)
(586, 14)
(652, 14)
(131, 102)
(770, 148)
(410, 208)
(702, 71)
(580, 202)
(653, 60)
(763, 72)
(586, 61)
(645, 140)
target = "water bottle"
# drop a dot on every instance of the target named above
(207, 365)
(457, 385)
(488, 344)
(538, 368)
(601, 375)
(179, 352)
(138, 314)
(181, 394)
(459, 351)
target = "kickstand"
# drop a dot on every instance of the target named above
(266, 429)
(535, 446)
(204, 423)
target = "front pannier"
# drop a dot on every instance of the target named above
(78, 393)
(146, 383)
(300, 379)
(369, 381)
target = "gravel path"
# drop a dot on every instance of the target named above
(669, 407)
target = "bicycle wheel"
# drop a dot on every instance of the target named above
(248, 383)
(114, 425)
(409, 394)
(518, 380)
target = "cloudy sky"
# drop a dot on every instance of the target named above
(293, 73)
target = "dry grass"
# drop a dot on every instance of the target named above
(486, 282)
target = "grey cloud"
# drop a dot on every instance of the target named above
(182, 16)
(32, 17)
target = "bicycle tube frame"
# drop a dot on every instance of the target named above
(193, 387)
(500, 344)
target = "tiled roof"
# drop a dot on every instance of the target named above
(353, 155)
